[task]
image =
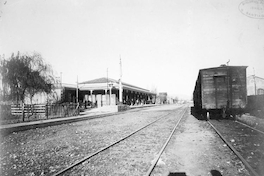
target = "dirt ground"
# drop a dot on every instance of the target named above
(195, 149)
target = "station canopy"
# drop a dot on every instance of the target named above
(106, 83)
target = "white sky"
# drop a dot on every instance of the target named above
(162, 44)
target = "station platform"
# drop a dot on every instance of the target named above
(86, 115)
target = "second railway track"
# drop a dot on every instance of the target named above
(247, 143)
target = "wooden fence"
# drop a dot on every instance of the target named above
(28, 109)
(48, 111)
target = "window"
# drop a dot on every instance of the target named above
(260, 91)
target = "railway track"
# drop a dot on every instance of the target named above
(164, 146)
(250, 127)
(243, 140)
(89, 157)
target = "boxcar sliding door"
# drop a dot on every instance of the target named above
(221, 91)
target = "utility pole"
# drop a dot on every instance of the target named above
(107, 87)
(60, 79)
(120, 83)
(110, 92)
(107, 78)
(77, 92)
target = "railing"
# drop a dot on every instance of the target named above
(28, 109)
(45, 110)
(13, 113)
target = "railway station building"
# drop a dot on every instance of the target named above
(106, 91)
(255, 85)
(97, 93)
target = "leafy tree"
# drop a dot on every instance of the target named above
(26, 75)
(4, 88)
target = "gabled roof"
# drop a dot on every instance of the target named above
(99, 80)
(108, 80)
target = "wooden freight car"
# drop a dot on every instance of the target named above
(220, 91)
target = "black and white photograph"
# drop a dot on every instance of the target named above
(132, 87)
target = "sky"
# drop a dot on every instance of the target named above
(162, 43)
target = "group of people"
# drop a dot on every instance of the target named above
(131, 102)
(134, 102)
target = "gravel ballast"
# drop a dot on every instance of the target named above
(134, 155)
(47, 150)
(194, 149)
(249, 143)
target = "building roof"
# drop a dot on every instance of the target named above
(104, 80)
(68, 86)
(255, 77)
(99, 80)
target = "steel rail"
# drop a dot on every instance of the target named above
(235, 151)
(101, 150)
(164, 146)
(250, 127)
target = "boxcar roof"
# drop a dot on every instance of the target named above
(223, 67)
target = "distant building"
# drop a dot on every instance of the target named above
(163, 97)
(255, 85)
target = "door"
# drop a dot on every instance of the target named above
(221, 93)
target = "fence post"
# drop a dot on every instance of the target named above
(47, 110)
(23, 111)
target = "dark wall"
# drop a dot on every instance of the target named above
(255, 105)
(69, 95)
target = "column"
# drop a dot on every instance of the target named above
(105, 98)
(91, 94)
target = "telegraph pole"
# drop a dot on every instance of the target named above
(107, 87)
(107, 78)
(77, 92)
(60, 79)
(120, 83)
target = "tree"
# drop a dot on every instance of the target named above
(40, 77)
(26, 75)
(4, 87)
